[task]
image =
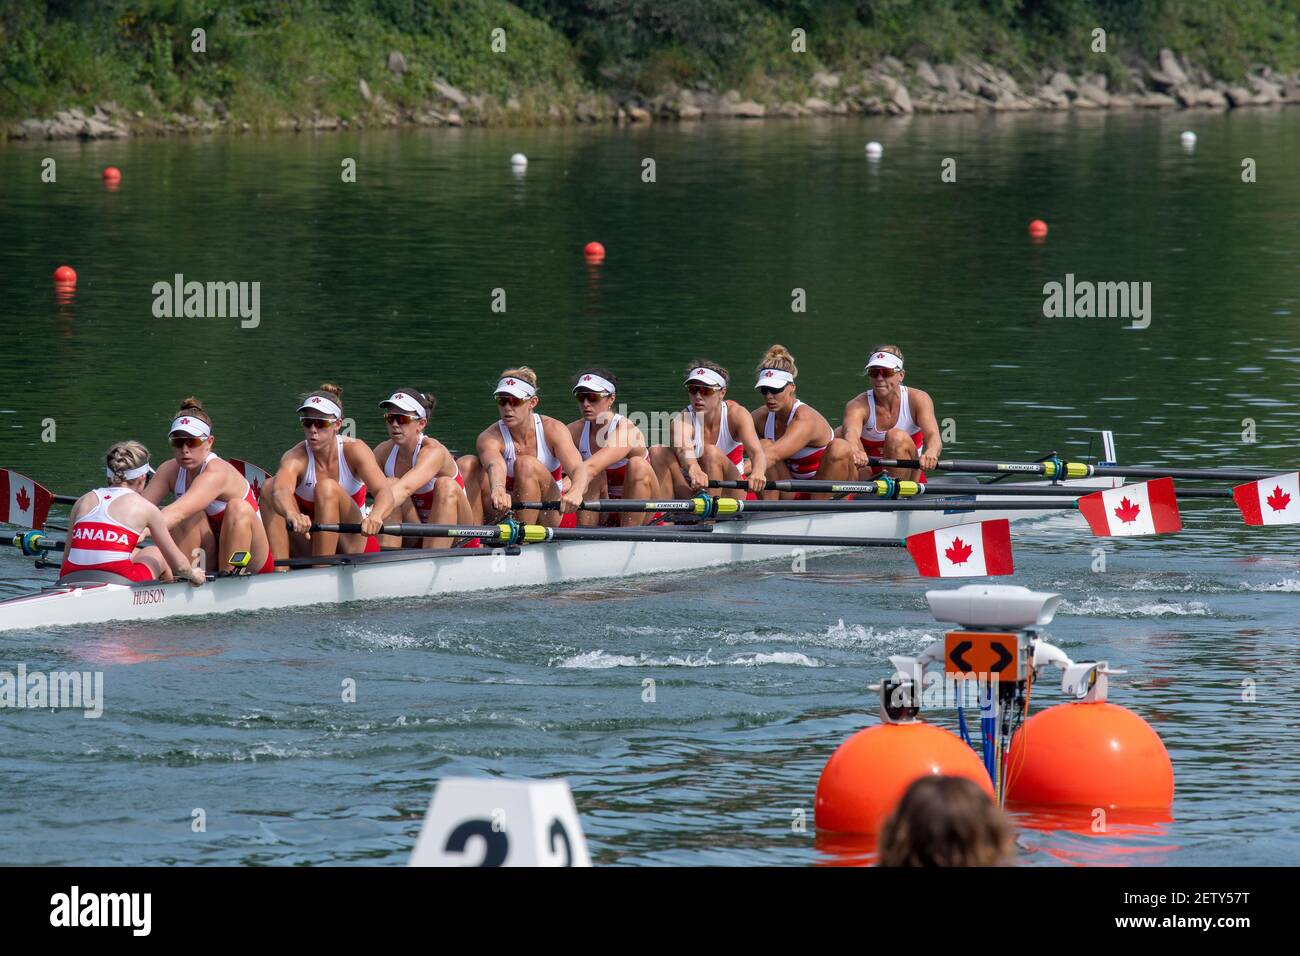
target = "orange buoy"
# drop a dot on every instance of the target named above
(65, 274)
(594, 252)
(1038, 229)
(869, 773)
(112, 174)
(1089, 754)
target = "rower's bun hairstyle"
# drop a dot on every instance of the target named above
(705, 363)
(124, 456)
(424, 398)
(192, 407)
(523, 371)
(596, 370)
(779, 357)
(891, 349)
(329, 390)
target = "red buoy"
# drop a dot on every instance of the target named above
(866, 777)
(594, 251)
(112, 174)
(1090, 755)
(65, 274)
(1038, 229)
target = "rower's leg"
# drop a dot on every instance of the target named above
(194, 533)
(718, 467)
(448, 502)
(899, 444)
(777, 471)
(668, 473)
(153, 556)
(277, 529)
(236, 533)
(259, 546)
(405, 515)
(534, 483)
(471, 472)
(349, 513)
(329, 510)
(639, 482)
(596, 489)
(836, 465)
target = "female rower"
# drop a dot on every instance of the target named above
(710, 439)
(526, 456)
(795, 436)
(618, 465)
(105, 526)
(888, 420)
(426, 485)
(215, 505)
(322, 480)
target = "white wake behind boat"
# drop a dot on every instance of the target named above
(415, 573)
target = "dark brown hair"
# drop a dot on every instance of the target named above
(705, 363)
(194, 409)
(946, 821)
(424, 398)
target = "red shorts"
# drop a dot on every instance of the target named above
(136, 571)
(269, 566)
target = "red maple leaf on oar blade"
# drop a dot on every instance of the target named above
(257, 489)
(24, 502)
(1278, 500)
(958, 551)
(1127, 512)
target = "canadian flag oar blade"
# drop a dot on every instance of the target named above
(23, 501)
(1270, 500)
(963, 551)
(1149, 507)
(257, 477)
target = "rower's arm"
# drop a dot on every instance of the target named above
(855, 417)
(561, 442)
(162, 537)
(160, 484)
(491, 455)
(923, 413)
(748, 436)
(426, 469)
(362, 462)
(284, 483)
(798, 434)
(683, 438)
(204, 490)
(623, 441)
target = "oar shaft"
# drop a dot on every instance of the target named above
(729, 507)
(533, 534)
(1080, 470)
(955, 488)
(35, 543)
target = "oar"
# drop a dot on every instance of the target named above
(719, 507)
(977, 549)
(33, 543)
(1056, 468)
(911, 489)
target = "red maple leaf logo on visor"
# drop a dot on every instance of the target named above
(1278, 500)
(510, 381)
(315, 401)
(24, 502)
(586, 378)
(958, 551)
(1127, 512)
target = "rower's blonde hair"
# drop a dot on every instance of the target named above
(891, 349)
(779, 357)
(523, 371)
(705, 363)
(192, 407)
(124, 456)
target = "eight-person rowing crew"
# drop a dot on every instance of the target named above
(217, 520)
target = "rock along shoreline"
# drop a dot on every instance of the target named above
(888, 88)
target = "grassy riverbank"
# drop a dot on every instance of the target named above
(265, 60)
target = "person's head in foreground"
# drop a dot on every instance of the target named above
(946, 821)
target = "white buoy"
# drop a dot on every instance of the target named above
(519, 161)
(874, 149)
(495, 822)
(1188, 138)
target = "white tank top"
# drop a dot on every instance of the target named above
(584, 441)
(217, 506)
(306, 489)
(95, 526)
(905, 420)
(726, 443)
(548, 460)
(769, 432)
(390, 467)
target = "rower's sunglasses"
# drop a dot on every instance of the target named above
(187, 441)
(511, 400)
(704, 391)
(395, 419)
(584, 397)
(877, 372)
(769, 390)
(320, 423)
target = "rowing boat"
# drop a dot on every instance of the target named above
(420, 573)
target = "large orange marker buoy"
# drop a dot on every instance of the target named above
(1089, 754)
(869, 773)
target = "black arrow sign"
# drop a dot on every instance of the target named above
(957, 659)
(1004, 658)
